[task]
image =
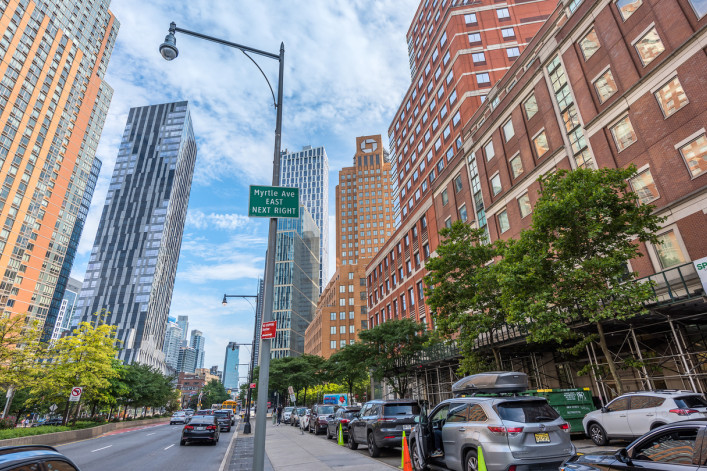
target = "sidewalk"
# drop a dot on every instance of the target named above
(287, 449)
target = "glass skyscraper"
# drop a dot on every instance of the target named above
(297, 270)
(230, 366)
(172, 343)
(197, 342)
(308, 170)
(66, 309)
(133, 263)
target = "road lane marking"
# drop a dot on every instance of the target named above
(150, 434)
(99, 449)
(169, 446)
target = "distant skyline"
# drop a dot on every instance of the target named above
(344, 78)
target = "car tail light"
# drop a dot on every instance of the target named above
(565, 427)
(210, 427)
(503, 430)
(386, 438)
(385, 419)
(188, 427)
(684, 412)
(512, 467)
(344, 421)
(514, 430)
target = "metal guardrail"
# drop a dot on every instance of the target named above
(676, 284)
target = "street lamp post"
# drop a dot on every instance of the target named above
(168, 50)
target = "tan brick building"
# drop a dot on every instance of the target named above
(364, 221)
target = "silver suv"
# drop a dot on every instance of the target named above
(511, 431)
(633, 414)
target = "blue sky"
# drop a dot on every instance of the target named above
(346, 70)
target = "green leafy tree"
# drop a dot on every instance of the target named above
(348, 366)
(20, 350)
(570, 266)
(214, 393)
(463, 293)
(392, 349)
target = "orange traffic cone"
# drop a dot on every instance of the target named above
(406, 463)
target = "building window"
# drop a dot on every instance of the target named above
(574, 4)
(645, 187)
(589, 44)
(426, 250)
(508, 131)
(671, 97)
(649, 46)
(668, 250)
(332, 344)
(540, 144)
(503, 13)
(628, 7)
(496, 184)
(488, 150)
(470, 18)
(342, 343)
(474, 38)
(448, 223)
(443, 39)
(700, 7)
(623, 133)
(695, 155)
(457, 183)
(457, 116)
(420, 291)
(503, 223)
(342, 329)
(478, 57)
(332, 316)
(332, 330)
(516, 166)
(462, 213)
(445, 198)
(482, 78)
(508, 33)
(512, 52)
(605, 86)
(531, 106)
(352, 329)
(524, 205)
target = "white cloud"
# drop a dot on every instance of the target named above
(199, 220)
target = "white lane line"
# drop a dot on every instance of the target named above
(99, 449)
(151, 434)
(169, 446)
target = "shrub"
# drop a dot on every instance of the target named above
(7, 423)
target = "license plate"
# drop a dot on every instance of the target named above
(406, 427)
(204, 428)
(542, 438)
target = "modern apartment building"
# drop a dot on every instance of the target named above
(458, 51)
(603, 84)
(130, 275)
(308, 170)
(297, 271)
(197, 342)
(172, 344)
(53, 104)
(230, 366)
(186, 360)
(65, 314)
(364, 221)
(183, 322)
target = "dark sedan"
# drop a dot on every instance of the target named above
(343, 417)
(52, 421)
(34, 457)
(224, 419)
(677, 446)
(201, 428)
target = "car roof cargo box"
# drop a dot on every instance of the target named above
(494, 382)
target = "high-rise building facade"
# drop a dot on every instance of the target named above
(458, 51)
(230, 366)
(133, 263)
(53, 104)
(197, 342)
(308, 170)
(183, 322)
(297, 270)
(172, 344)
(65, 314)
(186, 360)
(364, 221)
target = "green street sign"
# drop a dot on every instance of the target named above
(273, 202)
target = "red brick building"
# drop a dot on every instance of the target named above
(190, 385)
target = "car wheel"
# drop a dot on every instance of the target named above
(182, 442)
(373, 449)
(598, 434)
(352, 443)
(471, 461)
(328, 435)
(417, 461)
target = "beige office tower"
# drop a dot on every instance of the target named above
(364, 221)
(53, 104)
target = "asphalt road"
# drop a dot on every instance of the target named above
(154, 448)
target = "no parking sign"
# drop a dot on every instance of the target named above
(75, 395)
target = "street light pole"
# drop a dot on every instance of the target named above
(168, 50)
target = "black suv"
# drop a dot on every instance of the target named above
(34, 457)
(381, 424)
(319, 418)
(224, 419)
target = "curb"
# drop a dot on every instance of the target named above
(231, 446)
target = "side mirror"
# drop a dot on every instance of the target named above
(622, 456)
(417, 419)
(604, 409)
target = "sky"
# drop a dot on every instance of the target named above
(346, 71)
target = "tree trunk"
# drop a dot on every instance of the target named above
(304, 403)
(110, 414)
(609, 359)
(93, 410)
(497, 358)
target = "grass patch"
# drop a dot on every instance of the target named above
(32, 431)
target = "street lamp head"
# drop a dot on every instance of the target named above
(224, 302)
(168, 48)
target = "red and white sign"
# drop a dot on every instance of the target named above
(252, 385)
(268, 330)
(75, 394)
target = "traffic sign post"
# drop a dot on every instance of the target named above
(252, 385)
(75, 395)
(52, 408)
(273, 202)
(268, 330)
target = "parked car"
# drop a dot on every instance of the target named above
(31, 457)
(296, 415)
(343, 416)
(50, 421)
(233, 416)
(678, 446)
(287, 414)
(304, 420)
(178, 418)
(224, 419)
(189, 412)
(201, 428)
(380, 424)
(632, 415)
(319, 417)
(512, 431)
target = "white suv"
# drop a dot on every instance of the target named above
(633, 414)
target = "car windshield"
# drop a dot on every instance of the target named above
(350, 413)
(288, 409)
(202, 420)
(527, 411)
(178, 414)
(221, 414)
(402, 409)
(323, 410)
(690, 402)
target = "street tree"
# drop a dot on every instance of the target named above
(20, 350)
(570, 267)
(392, 351)
(214, 393)
(463, 291)
(348, 366)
